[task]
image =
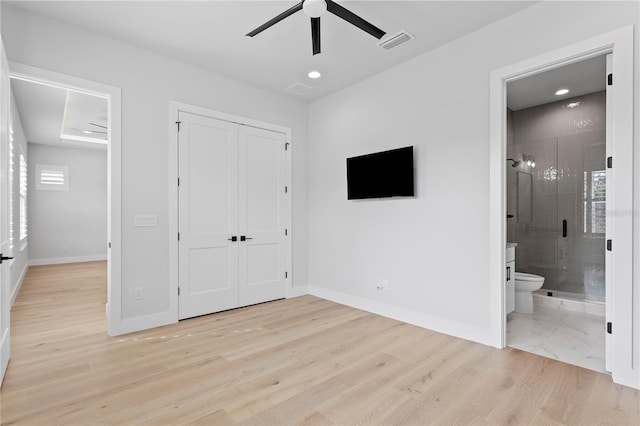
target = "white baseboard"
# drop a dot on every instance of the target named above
(145, 322)
(297, 291)
(74, 259)
(16, 290)
(477, 334)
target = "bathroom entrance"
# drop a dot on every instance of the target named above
(556, 195)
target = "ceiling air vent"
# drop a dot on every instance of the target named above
(299, 88)
(395, 40)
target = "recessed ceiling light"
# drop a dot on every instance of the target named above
(88, 132)
(314, 74)
(562, 92)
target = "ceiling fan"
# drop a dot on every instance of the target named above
(316, 8)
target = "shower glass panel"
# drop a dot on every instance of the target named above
(536, 235)
(563, 240)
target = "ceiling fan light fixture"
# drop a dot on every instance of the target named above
(314, 8)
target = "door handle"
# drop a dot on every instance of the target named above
(564, 228)
(243, 238)
(3, 258)
(234, 238)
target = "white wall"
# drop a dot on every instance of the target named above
(67, 226)
(20, 254)
(148, 81)
(433, 249)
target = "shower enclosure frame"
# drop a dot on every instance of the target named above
(623, 303)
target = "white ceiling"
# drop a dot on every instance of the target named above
(58, 117)
(211, 35)
(580, 78)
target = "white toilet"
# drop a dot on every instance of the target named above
(525, 285)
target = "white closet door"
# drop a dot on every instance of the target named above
(208, 215)
(262, 199)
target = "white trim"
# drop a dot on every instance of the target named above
(16, 290)
(114, 173)
(619, 198)
(174, 109)
(61, 260)
(446, 326)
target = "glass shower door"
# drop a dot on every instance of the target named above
(581, 215)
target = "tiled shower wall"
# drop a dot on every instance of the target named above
(567, 140)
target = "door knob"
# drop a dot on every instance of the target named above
(3, 258)
(243, 238)
(234, 238)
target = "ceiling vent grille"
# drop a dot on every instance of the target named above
(299, 88)
(395, 40)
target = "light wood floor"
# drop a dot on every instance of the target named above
(297, 361)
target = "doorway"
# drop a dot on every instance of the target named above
(111, 128)
(620, 309)
(556, 211)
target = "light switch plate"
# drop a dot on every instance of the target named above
(145, 220)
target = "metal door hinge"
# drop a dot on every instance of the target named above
(609, 245)
(109, 244)
(609, 162)
(286, 232)
(286, 146)
(610, 80)
(286, 189)
(178, 181)
(609, 328)
(178, 123)
(178, 236)
(178, 291)
(286, 275)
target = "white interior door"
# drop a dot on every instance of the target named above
(208, 215)
(608, 277)
(5, 306)
(262, 200)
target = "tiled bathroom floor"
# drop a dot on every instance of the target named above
(573, 337)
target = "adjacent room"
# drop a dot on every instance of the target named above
(319, 212)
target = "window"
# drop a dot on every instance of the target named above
(52, 178)
(23, 198)
(594, 202)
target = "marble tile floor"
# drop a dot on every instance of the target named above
(576, 338)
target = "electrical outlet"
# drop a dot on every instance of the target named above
(139, 293)
(382, 284)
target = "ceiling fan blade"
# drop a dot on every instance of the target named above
(315, 35)
(98, 125)
(277, 19)
(354, 19)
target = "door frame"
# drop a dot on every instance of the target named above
(620, 193)
(114, 178)
(174, 108)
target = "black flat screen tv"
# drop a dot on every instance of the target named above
(381, 174)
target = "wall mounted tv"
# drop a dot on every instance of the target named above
(381, 174)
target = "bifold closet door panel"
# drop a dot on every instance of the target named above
(261, 206)
(208, 215)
